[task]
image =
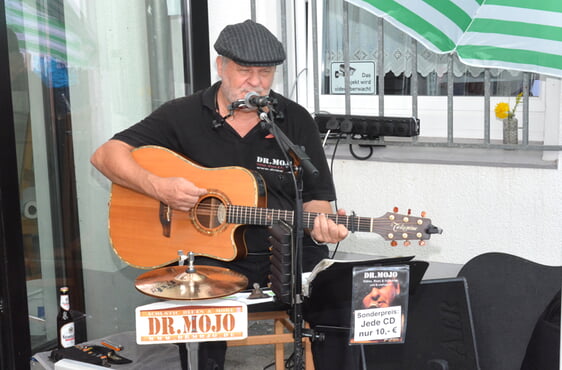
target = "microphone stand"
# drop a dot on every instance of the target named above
(301, 162)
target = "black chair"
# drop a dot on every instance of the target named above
(507, 295)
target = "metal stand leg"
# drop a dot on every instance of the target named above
(192, 349)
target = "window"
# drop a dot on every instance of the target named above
(454, 102)
(399, 53)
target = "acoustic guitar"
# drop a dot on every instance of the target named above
(146, 233)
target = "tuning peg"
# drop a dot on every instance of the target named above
(406, 243)
(423, 213)
(409, 211)
(395, 209)
(393, 243)
(421, 243)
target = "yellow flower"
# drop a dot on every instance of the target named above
(503, 111)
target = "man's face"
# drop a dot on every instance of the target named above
(238, 80)
(381, 297)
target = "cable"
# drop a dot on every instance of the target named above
(326, 138)
(293, 89)
(332, 162)
(289, 362)
(332, 173)
(359, 157)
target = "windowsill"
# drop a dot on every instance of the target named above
(466, 154)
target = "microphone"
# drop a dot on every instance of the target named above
(217, 123)
(254, 100)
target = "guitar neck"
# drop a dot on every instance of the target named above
(266, 217)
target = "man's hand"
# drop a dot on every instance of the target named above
(327, 231)
(177, 192)
(115, 160)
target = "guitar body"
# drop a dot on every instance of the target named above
(147, 234)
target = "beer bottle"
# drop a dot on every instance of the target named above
(65, 324)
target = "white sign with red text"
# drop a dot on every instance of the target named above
(193, 321)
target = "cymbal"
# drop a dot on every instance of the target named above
(191, 283)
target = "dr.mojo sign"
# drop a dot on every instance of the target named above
(361, 78)
(176, 321)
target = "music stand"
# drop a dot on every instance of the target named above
(329, 304)
(440, 333)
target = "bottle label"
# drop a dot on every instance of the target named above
(65, 302)
(67, 335)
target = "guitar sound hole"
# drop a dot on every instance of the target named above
(210, 213)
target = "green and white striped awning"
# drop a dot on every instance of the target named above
(524, 35)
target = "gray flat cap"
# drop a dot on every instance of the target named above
(250, 44)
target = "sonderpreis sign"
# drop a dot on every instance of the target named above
(200, 321)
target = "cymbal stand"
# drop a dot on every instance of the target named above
(192, 348)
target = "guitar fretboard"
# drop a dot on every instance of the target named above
(266, 217)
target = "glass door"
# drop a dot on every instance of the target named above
(81, 71)
(28, 28)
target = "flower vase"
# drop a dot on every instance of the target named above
(510, 127)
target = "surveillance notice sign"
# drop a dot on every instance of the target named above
(380, 304)
(361, 78)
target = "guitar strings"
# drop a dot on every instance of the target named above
(233, 209)
(405, 228)
(267, 216)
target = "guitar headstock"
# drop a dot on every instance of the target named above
(407, 228)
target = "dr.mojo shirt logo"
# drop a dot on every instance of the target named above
(271, 164)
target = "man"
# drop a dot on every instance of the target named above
(382, 296)
(213, 129)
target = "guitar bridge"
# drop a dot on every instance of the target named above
(165, 214)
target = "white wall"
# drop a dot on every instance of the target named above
(480, 209)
